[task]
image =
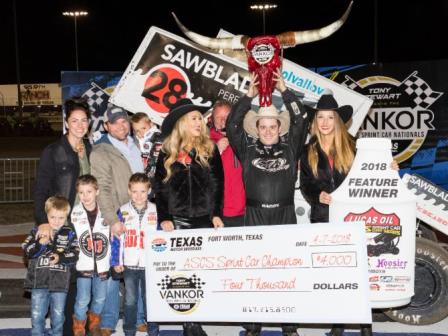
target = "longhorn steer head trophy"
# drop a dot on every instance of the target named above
(264, 52)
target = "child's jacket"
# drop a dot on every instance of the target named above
(40, 273)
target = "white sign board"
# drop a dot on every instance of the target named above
(289, 273)
(32, 94)
(373, 193)
(432, 201)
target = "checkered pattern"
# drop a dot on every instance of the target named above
(196, 282)
(419, 91)
(350, 83)
(165, 283)
(95, 95)
(97, 99)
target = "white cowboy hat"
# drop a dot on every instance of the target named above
(251, 118)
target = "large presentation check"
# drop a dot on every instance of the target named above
(289, 273)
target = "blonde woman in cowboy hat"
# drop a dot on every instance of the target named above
(325, 163)
(189, 179)
(268, 144)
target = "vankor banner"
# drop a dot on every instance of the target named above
(410, 108)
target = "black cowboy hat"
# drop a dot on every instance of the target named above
(327, 102)
(182, 107)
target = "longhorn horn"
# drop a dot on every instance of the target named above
(291, 39)
(235, 42)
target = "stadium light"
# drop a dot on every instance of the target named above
(263, 7)
(75, 15)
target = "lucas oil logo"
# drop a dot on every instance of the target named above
(386, 230)
(401, 111)
(183, 294)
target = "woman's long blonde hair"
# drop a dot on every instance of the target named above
(342, 149)
(181, 140)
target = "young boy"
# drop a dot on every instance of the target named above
(139, 217)
(149, 140)
(50, 263)
(94, 258)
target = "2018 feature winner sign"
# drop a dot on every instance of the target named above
(291, 273)
(372, 193)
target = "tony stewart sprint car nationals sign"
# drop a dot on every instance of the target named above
(167, 67)
(289, 273)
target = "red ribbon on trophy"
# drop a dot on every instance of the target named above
(263, 58)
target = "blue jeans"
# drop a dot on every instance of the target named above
(141, 318)
(134, 282)
(41, 300)
(111, 310)
(90, 290)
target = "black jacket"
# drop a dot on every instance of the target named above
(269, 172)
(327, 180)
(40, 273)
(56, 175)
(191, 191)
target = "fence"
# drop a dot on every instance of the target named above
(17, 176)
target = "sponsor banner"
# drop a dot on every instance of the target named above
(96, 87)
(410, 107)
(432, 202)
(289, 273)
(374, 194)
(167, 67)
(32, 94)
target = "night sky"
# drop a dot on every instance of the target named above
(108, 37)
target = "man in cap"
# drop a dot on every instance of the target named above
(268, 144)
(115, 157)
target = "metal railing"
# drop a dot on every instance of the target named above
(17, 177)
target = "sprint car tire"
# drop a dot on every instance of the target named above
(430, 301)
(425, 231)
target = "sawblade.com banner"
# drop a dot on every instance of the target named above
(410, 107)
(167, 67)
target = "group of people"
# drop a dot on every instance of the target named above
(240, 171)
